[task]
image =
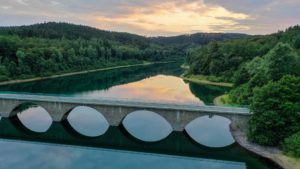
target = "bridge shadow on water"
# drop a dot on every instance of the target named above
(177, 143)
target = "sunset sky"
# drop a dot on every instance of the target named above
(158, 17)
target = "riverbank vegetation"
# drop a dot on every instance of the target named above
(291, 145)
(265, 71)
(222, 100)
(208, 80)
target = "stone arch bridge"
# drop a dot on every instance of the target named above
(115, 110)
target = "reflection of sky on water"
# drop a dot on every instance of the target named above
(147, 126)
(36, 119)
(27, 155)
(88, 121)
(144, 125)
(212, 132)
(157, 88)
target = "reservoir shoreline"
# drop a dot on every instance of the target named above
(206, 82)
(271, 153)
(79, 72)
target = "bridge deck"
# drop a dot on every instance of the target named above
(125, 103)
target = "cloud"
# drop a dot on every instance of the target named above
(5, 7)
(22, 2)
(174, 18)
(54, 3)
(268, 16)
(156, 17)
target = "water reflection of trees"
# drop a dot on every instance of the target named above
(94, 81)
(206, 93)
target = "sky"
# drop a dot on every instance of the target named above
(158, 17)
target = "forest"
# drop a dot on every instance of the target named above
(53, 48)
(265, 71)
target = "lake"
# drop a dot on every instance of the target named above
(143, 140)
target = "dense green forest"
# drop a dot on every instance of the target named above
(184, 43)
(51, 48)
(265, 71)
(249, 62)
(45, 49)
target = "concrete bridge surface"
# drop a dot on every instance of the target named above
(115, 110)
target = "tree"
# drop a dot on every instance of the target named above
(20, 55)
(276, 108)
(241, 76)
(291, 145)
(297, 43)
(3, 73)
(281, 60)
(241, 95)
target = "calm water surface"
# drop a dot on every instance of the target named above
(155, 82)
(144, 140)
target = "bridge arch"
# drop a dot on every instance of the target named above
(86, 121)
(207, 131)
(31, 117)
(146, 126)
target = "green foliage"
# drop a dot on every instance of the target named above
(241, 95)
(297, 43)
(254, 53)
(276, 108)
(241, 76)
(291, 145)
(50, 48)
(280, 61)
(224, 58)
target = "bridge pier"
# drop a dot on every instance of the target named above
(113, 114)
(239, 122)
(7, 107)
(57, 110)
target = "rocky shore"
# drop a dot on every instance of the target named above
(272, 153)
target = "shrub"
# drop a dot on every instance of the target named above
(3, 78)
(276, 108)
(291, 145)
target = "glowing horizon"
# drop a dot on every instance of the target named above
(157, 18)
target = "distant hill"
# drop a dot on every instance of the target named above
(196, 39)
(57, 30)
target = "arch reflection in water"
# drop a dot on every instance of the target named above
(87, 121)
(34, 118)
(210, 132)
(147, 126)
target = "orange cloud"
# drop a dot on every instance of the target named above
(175, 18)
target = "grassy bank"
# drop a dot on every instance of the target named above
(222, 100)
(185, 66)
(201, 79)
(79, 72)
